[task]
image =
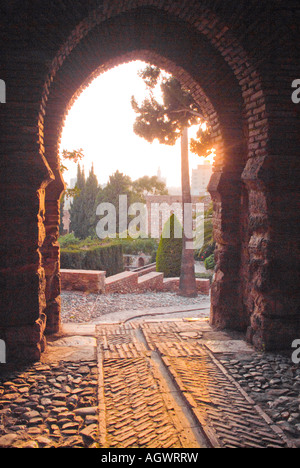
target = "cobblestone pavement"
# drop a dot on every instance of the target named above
(46, 406)
(227, 416)
(151, 384)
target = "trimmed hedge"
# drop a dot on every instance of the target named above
(169, 253)
(107, 258)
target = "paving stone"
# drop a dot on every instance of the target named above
(241, 399)
(44, 409)
(8, 440)
(213, 392)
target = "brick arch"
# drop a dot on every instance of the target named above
(254, 187)
(203, 19)
(200, 16)
(148, 56)
(92, 56)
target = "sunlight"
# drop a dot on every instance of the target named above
(101, 123)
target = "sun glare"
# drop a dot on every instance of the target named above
(101, 123)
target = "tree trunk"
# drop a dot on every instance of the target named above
(187, 286)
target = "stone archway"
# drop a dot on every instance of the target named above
(254, 185)
(228, 135)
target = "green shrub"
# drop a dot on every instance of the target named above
(136, 246)
(71, 259)
(168, 258)
(208, 242)
(107, 258)
(209, 262)
(206, 251)
(68, 240)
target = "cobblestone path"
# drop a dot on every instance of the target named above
(150, 384)
(139, 405)
(139, 409)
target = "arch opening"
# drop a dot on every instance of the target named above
(231, 75)
(221, 103)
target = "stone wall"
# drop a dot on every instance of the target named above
(83, 280)
(124, 283)
(172, 285)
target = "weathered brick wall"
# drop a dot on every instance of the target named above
(239, 58)
(172, 285)
(83, 280)
(122, 283)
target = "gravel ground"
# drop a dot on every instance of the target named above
(272, 380)
(81, 308)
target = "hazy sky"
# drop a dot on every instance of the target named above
(101, 123)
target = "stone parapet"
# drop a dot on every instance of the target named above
(172, 285)
(122, 283)
(83, 280)
(152, 281)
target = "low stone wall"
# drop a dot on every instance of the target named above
(83, 280)
(152, 281)
(172, 284)
(123, 283)
(145, 270)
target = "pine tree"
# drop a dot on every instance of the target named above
(167, 121)
(118, 184)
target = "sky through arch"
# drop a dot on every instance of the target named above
(101, 123)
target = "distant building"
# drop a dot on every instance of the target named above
(200, 179)
(160, 178)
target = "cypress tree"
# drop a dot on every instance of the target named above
(89, 196)
(83, 210)
(61, 215)
(168, 259)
